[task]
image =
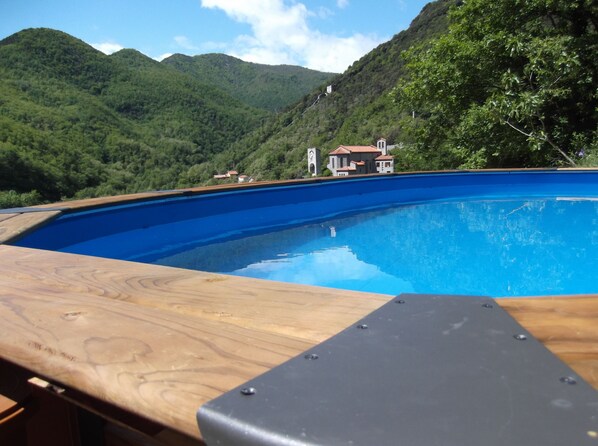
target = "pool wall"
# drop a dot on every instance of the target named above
(164, 224)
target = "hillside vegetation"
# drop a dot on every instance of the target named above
(76, 123)
(359, 111)
(513, 84)
(470, 84)
(492, 84)
(270, 87)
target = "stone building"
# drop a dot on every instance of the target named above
(360, 160)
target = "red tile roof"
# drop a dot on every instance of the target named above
(345, 150)
(340, 151)
(232, 172)
(346, 169)
(385, 158)
(359, 163)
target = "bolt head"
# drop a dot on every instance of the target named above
(520, 337)
(400, 301)
(248, 391)
(363, 326)
(568, 380)
(311, 356)
(487, 305)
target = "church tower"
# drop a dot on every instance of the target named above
(382, 146)
(314, 164)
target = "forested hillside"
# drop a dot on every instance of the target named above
(358, 111)
(271, 87)
(506, 84)
(470, 84)
(75, 122)
(513, 84)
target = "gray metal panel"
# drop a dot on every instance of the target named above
(427, 371)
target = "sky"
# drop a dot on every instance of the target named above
(325, 35)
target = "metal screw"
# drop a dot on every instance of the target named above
(311, 356)
(568, 380)
(363, 326)
(487, 305)
(399, 301)
(248, 391)
(520, 337)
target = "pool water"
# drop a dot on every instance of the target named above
(510, 247)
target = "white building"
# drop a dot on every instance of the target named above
(314, 162)
(385, 164)
(233, 175)
(360, 160)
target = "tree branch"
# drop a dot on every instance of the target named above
(545, 139)
(529, 135)
(554, 146)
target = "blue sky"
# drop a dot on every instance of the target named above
(326, 35)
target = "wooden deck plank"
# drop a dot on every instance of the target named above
(566, 325)
(88, 203)
(111, 200)
(159, 341)
(150, 362)
(309, 313)
(22, 223)
(7, 216)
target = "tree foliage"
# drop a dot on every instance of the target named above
(269, 87)
(77, 123)
(359, 110)
(512, 84)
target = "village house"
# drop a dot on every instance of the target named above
(233, 176)
(359, 160)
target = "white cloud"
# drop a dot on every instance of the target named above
(265, 56)
(313, 268)
(342, 3)
(281, 35)
(328, 53)
(161, 57)
(107, 47)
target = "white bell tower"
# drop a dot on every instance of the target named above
(382, 146)
(314, 163)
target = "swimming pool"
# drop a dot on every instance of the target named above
(504, 233)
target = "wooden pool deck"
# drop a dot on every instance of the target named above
(144, 346)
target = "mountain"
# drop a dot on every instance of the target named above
(75, 122)
(359, 110)
(269, 87)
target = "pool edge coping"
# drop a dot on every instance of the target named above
(11, 229)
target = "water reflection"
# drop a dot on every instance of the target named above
(333, 267)
(496, 248)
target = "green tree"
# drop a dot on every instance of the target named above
(513, 84)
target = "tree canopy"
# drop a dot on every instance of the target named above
(512, 84)
(269, 87)
(77, 123)
(358, 111)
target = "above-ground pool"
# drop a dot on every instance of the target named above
(505, 233)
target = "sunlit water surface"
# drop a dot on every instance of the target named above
(496, 248)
